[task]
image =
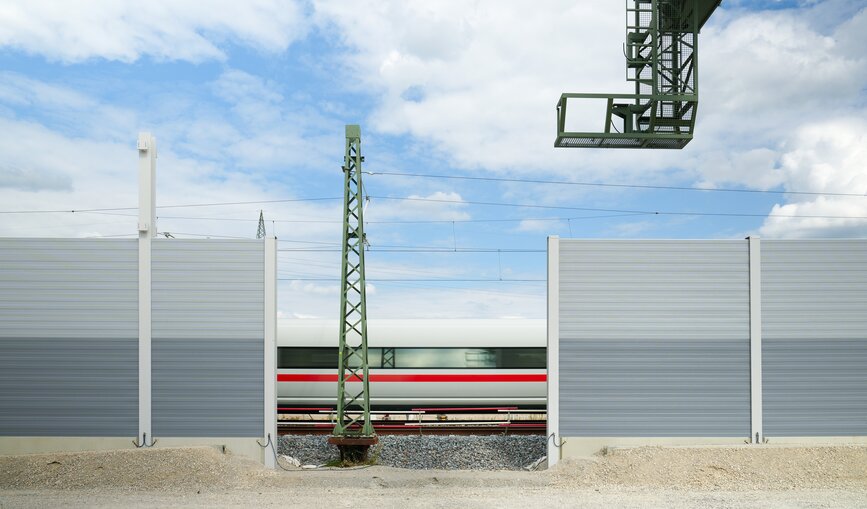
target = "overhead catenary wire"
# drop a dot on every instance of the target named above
(186, 205)
(396, 221)
(426, 280)
(594, 209)
(422, 250)
(459, 202)
(606, 184)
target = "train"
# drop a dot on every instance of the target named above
(419, 363)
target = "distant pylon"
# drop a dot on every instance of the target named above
(260, 232)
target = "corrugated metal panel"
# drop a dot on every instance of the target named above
(654, 338)
(68, 288)
(814, 387)
(208, 338)
(208, 388)
(814, 289)
(654, 388)
(208, 289)
(814, 328)
(654, 289)
(68, 387)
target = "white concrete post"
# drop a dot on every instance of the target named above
(553, 423)
(147, 159)
(757, 435)
(270, 349)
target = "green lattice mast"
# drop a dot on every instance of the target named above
(353, 432)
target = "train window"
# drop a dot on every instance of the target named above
(320, 357)
(374, 358)
(306, 357)
(418, 358)
(432, 357)
(522, 358)
(470, 358)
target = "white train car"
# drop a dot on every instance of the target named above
(419, 363)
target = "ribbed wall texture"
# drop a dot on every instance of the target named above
(208, 289)
(68, 387)
(654, 338)
(208, 388)
(208, 337)
(71, 288)
(814, 345)
(68, 337)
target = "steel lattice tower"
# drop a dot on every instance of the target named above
(260, 231)
(353, 431)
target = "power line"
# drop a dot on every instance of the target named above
(374, 280)
(600, 184)
(186, 205)
(613, 212)
(636, 212)
(419, 250)
(463, 289)
(403, 221)
(207, 235)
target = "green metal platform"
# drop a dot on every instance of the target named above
(661, 53)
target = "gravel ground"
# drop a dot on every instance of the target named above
(444, 452)
(733, 468)
(676, 478)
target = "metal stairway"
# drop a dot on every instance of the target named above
(661, 51)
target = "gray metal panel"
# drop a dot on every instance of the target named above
(208, 289)
(208, 338)
(814, 325)
(814, 387)
(68, 387)
(654, 388)
(814, 289)
(654, 338)
(208, 388)
(654, 289)
(68, 288)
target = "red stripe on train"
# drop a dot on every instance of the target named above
(512, 377)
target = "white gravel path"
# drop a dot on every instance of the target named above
(815, 477)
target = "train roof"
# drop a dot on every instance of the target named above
(420, 333)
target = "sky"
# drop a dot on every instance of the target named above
(248, 102)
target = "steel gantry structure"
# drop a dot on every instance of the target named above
(661, 53)
(353, 432)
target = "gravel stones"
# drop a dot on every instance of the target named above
(444, 452)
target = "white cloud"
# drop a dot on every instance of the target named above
(164, 29)
(69, 109)
(479, 81)
(774, 62)
(444, 206)
(763, 77)
(824, 157)
(540, 226)
(253, 126)
(482, 94)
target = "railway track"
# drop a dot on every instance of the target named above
(421, 421)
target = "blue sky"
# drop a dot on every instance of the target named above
(248, 102)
